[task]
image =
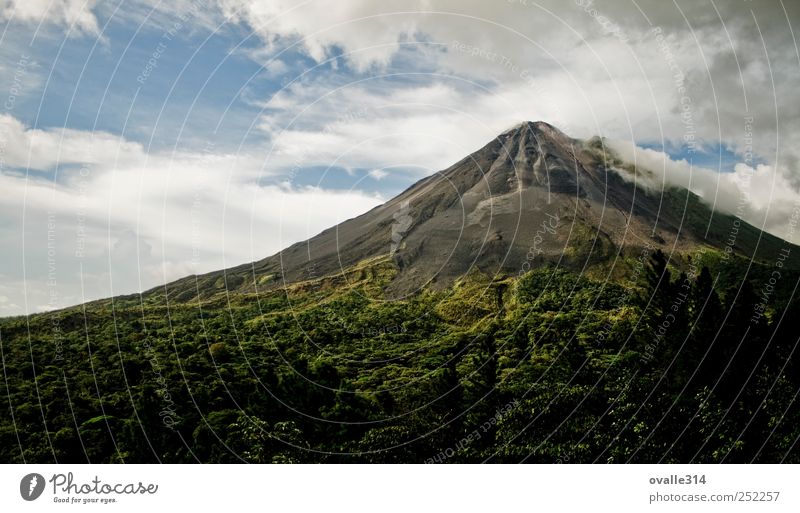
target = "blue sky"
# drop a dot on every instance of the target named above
(712, 155)
(263, 123)
(91, 84)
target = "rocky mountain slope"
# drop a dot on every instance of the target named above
(531, 196)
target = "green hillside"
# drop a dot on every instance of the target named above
(550, 367)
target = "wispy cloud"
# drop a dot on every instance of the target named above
(124, 220)
(394, 90)
(75, 15)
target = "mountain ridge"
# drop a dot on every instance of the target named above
(494, 210)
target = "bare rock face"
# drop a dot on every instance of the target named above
(531, 196)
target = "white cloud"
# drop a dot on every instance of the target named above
(7, 306)
(24, 147)
(558, 61)
(76, 14)
(323, 25)
(378, 174)
(132, 223)
(759, 195)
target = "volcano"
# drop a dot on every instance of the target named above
(532, 196)
(390, 337)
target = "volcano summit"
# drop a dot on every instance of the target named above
(531, 196)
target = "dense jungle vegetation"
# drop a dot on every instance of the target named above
(676, 364)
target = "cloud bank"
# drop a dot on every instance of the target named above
(396, 90)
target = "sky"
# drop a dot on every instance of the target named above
(142, 141)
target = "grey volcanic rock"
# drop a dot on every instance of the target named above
(532, 195)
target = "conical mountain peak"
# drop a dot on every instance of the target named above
(531, 193)
(537, 131)
(533, 153)
(534, 126)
